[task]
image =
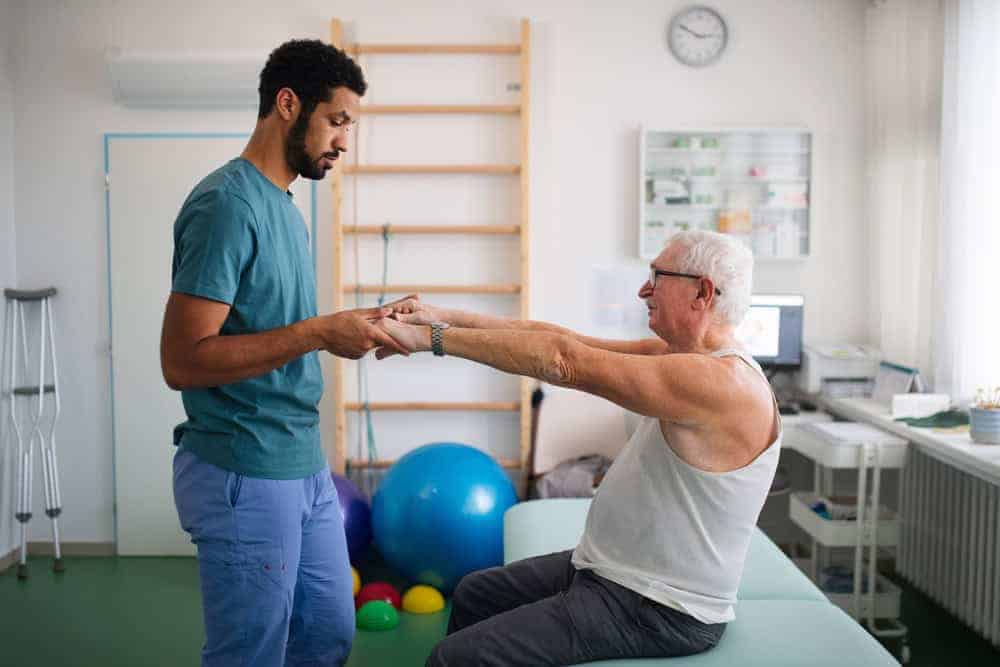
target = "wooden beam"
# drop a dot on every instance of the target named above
(433, 289)
(435, 49)
(417, 109)
(526, 384)
(337, 183)
(433, 229)
(486, 406)
(431, 169)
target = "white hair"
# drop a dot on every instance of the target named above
(724, 259)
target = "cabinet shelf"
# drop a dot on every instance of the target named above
(722, 151)
(717, 207)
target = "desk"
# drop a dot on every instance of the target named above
(957, 450)
(950, 513)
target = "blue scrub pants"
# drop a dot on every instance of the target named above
(275, 576)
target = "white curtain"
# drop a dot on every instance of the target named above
(903, 51)
(967, 333)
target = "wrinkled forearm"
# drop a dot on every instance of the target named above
(469, 320)
(543, 355)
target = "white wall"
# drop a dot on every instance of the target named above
(7, 254)
(606, 71)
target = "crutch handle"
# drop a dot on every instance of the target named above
(29, 295)
(33, 391)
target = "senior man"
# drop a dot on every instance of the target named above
(657, 569)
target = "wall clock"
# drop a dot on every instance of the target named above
(697, 36)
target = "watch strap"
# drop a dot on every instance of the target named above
(437, 339)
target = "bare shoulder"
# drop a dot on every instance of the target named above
(739, 421)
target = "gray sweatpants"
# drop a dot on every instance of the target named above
(543, 611)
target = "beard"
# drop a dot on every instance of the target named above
(298, 159)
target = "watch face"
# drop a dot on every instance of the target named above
(697, 36)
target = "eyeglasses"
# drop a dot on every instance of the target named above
(654, 272)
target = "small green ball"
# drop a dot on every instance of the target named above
(377, 615)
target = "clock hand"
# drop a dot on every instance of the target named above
(684, 27)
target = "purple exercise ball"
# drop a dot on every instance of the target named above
(357, 516)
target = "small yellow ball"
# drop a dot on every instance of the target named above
(423, 600)
(357, 580)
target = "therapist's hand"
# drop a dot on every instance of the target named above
(353, 333)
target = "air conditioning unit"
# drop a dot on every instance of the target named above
(197, 80)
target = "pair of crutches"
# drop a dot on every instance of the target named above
(32, 408)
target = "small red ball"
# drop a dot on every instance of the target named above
(378, 590)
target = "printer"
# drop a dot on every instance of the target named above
(839, 370)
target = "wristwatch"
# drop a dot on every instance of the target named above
(437, 337)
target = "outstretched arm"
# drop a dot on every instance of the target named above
(684, 388)
(421, 313)
(193, 353)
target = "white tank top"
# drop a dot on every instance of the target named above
(674, 533)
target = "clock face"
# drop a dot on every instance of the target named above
(697, 36)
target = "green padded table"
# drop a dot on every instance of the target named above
(539, 527)
(782, 619)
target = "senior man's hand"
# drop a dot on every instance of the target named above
(415, 338)
(418, 312)
(407, 305)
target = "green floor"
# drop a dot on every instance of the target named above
(146, 611)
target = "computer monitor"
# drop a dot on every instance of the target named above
(772, 330)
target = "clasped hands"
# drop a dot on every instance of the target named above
(407, 326)
(394, 328)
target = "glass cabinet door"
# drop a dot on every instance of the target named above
(753, 184)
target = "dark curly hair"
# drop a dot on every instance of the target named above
(312, 69)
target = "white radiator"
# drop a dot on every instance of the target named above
(949, 545)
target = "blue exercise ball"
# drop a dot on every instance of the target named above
(438, 513)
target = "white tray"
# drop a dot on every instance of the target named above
(831, 533)
(838, 444)
(886, 601)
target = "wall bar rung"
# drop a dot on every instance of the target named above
(433, 229)
(432, 169)
(487, 406)
(435, 49)
(418, 109)
(433, 289)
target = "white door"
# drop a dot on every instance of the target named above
(149, 178)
